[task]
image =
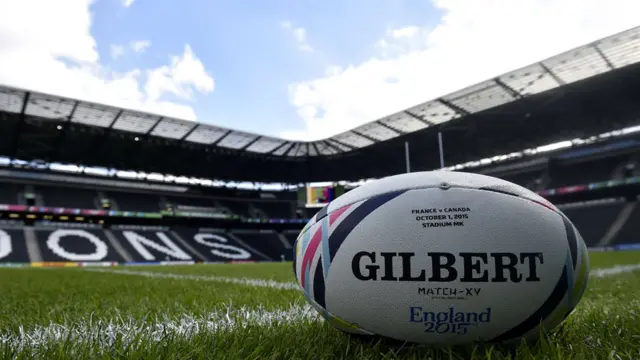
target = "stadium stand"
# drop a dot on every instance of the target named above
(12, 232)
(50, 242)
(58, 196)
(236, 207)
(290, 236)
(508, 126)
(558, 171)
(9, 193)
(128, 201)
(153, 245)
(630, 231)
(594, 220)
(190, 201)
(215, 245)
(75, 244)
(575, 94)
(584, 172)
(276, 210)
(266, 242)
(532, 180)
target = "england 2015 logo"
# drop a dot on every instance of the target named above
(450, 321)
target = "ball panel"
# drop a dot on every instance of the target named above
(345, 326)
(491, 216)
(314, 285)
(302, 245)
(318, 285)
(310, 253)
(543, 312)
(431, 179)
(353, 219)
(572, 239)
(504, 222)
(570, 281)
(517, 190)
(322, 227)
(294, 262)
(582, 276)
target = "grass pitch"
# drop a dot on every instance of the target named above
(252, 311)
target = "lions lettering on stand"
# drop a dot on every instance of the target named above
(219, 247)
(69, 245)
(216, 245)
(75, 245)
(12, 246)
(152, 246)
(6, 247)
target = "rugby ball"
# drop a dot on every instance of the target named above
(442, 258)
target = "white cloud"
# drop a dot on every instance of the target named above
(60, 57)
(116, 51)
(474, 40)
(185, 73)
(405, 32)
(299, 35)
(127, 3)
(140, 46)
(30, 32)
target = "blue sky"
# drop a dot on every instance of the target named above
(300, 69)
(245, 48)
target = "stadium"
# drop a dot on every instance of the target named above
(95, 199)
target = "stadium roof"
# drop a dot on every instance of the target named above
(599, 57)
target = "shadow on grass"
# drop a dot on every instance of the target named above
(404, 349)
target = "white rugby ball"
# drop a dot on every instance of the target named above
(442, 258)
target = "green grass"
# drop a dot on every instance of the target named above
(606, 259)
(106, 315)
(38, 296)
(267, 271)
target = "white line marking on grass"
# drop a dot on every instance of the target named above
(123, 332)
(224, 279)
(615, 270)
(126, 332)
(596, 273)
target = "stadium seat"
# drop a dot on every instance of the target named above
(266, 241)
(127, 201)
(593, 221)
(583, 173)
(58, 196)
(291, 236)
(240, 208)
(276, 209)
(630, 231)
(9, 193)
(526, 179)
(190, 201)
(18, 253)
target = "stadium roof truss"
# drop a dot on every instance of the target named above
(586, 61)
